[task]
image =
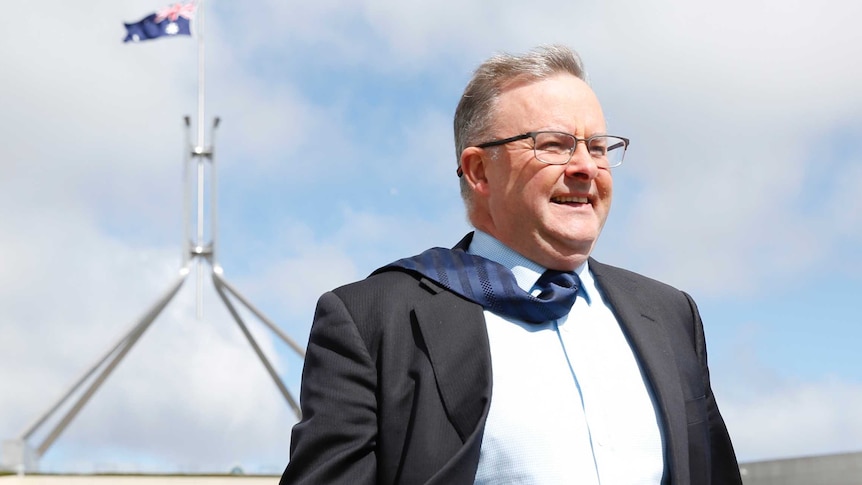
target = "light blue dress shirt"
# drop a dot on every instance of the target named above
(569, 403)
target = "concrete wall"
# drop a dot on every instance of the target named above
(841, 469)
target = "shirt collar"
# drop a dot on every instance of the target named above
(526, 272)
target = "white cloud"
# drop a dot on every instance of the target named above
(731, 116)
(773, 411)
(300, 270)
(295, 272)
(430, 143)
(796, 419)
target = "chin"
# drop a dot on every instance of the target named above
(573, 246)
(578, 238)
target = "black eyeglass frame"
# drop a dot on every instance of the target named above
(533, 134)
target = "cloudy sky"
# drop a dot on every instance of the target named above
(335, 156)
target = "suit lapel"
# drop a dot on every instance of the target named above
(453, 330)
(639, 320)
(454, 333)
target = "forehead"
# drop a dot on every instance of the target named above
(561, 102)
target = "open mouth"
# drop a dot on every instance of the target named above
(570, 200)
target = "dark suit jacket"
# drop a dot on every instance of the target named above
(397, 383)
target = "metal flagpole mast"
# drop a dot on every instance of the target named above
(18, 454)
(199, 146)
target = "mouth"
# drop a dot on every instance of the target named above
(570, 200)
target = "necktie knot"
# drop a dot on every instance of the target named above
(493, 286)
(556, 284)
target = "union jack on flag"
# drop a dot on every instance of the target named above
(168, 22)
(175, 11)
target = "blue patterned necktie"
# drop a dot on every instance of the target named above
(492, 285)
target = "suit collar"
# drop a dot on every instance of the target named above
(464, 243)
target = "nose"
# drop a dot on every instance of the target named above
(582, 164)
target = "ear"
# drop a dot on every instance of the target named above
(473, 168)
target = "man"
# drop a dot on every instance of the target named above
(514, 357)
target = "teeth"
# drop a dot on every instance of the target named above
(566, 200)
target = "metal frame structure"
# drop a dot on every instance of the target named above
(197, 250)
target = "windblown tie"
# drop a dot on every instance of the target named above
(492, 285)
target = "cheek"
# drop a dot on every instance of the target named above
(533, 196)
(606, 194)
(605, 188)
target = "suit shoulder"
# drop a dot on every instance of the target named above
(384, 299)
(383, 306)
(606, 271)
(381, 286)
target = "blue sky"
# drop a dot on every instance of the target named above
(335, 157)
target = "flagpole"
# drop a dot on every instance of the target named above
(201, 72)
(200, 147)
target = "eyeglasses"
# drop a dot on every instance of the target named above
(557, 148)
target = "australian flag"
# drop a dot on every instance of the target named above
(167, 22)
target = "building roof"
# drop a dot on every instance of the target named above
(842, 468)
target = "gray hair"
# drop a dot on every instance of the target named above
(475, 112)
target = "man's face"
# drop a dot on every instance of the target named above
(552, 214)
